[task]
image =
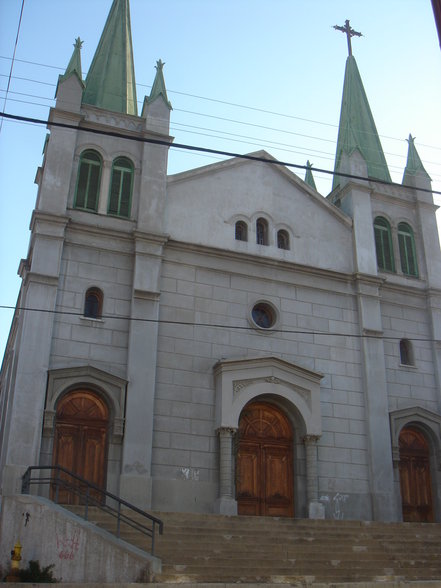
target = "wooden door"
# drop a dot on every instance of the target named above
(264, 467)
(415, 479)
(80, 443)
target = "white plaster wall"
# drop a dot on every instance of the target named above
(203, 206)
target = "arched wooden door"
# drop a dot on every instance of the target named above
(415, 479)
(264, 466)
(80, 443)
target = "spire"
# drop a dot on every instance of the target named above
(309, 178)
(110, 83)
(158, 88)
(414, 164)
(357, 127)
(74, 65)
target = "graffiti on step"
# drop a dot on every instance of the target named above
(68, 545)
(336, 504)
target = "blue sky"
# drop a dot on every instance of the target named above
(242, 75)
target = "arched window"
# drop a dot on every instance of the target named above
(121, 186)
(88, 181)
(406, 352)
(406, 244)
(261, 231)
(93, 303)
(383, 244)
(241, 232)
(282, 239)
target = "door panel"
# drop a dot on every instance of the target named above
(80, 442)
(264, 467)
(415, 478)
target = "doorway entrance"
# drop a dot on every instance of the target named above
(80, 443)
(264, 466)
(415, 479)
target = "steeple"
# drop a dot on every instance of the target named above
(357, 127)
(414, 164)
(158, 88)
(110, 83)
(74, 65)
(309, 178)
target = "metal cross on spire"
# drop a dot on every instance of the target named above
(349, 33)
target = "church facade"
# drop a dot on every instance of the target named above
(224, 339)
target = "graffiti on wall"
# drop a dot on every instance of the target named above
(68, 545)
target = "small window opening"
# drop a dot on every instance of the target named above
(93, 303)
(261, 232)
(241, 233)
(406, 354)
(282, 239)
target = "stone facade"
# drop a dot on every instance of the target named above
(176, 353)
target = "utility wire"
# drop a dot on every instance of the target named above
(218, 101)
(211, 325)
(12, 62)
(194, 148)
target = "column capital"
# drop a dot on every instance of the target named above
(311, 439)
(226, 431)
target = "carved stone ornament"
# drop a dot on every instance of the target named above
(273, 380)
(309, 439)
(227, 431)
(48, 422)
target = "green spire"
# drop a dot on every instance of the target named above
(309, 178)
(110, 83)
(357, 127)
(74, 65)
(158, 88)
(414, 163)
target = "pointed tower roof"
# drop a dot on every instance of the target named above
(110, 83)
(414, 164)
(309, 178)
(74, 65)
(357, 127)
(158, 88)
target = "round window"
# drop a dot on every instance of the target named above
(263, 315)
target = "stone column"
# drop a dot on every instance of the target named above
(226, 504)
(315, 508)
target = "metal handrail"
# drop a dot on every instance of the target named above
(76, 486)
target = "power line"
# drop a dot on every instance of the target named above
(211, 325)
(194, 148)
(224, 102)
(12, 61)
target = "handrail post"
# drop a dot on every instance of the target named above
(118, 520)
(153, 537)
(86, 510)
(57, 484)
(26, 481)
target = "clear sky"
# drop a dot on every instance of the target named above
(242, 75)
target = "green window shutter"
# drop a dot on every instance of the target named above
(406, 244)
(383, 245)
(121, 187)
(88, 182)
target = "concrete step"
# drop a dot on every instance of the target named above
(212, 548)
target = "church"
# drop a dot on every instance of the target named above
(225, 339)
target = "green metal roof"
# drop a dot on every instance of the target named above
(110, 83)
(357, 127)
(414, 163)
(158, 88)
(309, 178)
(74, 65)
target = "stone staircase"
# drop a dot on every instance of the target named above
(200, 549)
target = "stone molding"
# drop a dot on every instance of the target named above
(110, 387)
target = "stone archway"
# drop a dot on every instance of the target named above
(415, 476)
(81, 439)
(264, 463)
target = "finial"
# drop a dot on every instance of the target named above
(308, 164)
(159, 64)
(411, 140)
(78, 43)
(349, 31)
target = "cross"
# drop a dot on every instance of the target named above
(349, 33)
